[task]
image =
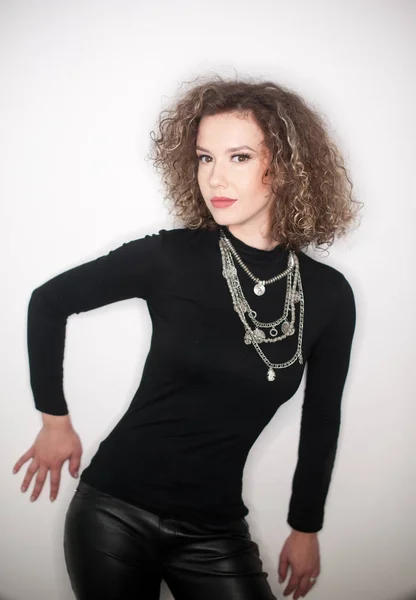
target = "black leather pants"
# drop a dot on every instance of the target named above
(116, 551)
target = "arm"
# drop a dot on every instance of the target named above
(321, 415)
(132, 270)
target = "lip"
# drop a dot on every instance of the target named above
(222, 201)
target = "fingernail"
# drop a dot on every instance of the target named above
(76, 474)
(14, 470)
(52, 498)
(32, 498)
(280, 580)
(23, 488)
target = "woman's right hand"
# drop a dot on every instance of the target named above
(56, 442)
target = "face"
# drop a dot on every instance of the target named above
(232, 159)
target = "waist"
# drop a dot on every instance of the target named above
(207, 502)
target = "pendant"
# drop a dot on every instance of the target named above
(258, 335)
(259, 289)
(271, 375)
(247, 338)
(240, 306)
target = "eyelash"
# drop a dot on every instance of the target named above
(246, 156)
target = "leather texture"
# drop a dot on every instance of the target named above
(117, 551)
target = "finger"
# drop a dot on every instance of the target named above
(310, 585)
(304, 586)
(282, 570)
(23, 459)
(55, 481)
(40, 480)
(292, 585)
(74, 464)
(33, 467)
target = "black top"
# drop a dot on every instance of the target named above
(204, 397)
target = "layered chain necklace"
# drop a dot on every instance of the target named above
(282, 327)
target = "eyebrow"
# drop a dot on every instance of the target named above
(229, 149)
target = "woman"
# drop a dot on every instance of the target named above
(238, 310)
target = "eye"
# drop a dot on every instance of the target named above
(245, 156)
(201, 156)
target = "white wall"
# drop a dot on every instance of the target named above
(82, 83)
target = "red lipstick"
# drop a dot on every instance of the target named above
(222, 201)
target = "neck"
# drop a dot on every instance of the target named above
(253, 237)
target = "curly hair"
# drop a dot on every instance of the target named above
(313, 201)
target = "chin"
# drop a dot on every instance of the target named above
(222, 219)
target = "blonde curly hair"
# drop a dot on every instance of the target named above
(312, 191)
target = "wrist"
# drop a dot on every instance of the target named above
(56, 421)
(305, 534)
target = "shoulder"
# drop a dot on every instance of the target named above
(166, 248)
(163, 240)
(183, 236)
(174, 242)
(327, 287)
(175, 237)
(324, 277)
(329, 298)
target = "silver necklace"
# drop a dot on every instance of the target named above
(286, 323)
(260, 287)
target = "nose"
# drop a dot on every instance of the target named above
(218, 175)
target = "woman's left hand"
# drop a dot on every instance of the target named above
(301, 553)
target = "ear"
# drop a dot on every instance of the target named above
(269, 171)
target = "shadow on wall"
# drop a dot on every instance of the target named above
(408, 596)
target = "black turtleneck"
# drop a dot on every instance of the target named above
(204, 397)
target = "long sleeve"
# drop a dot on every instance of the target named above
(135, 269)
(327, 370)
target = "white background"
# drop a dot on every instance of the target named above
(82, 84)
